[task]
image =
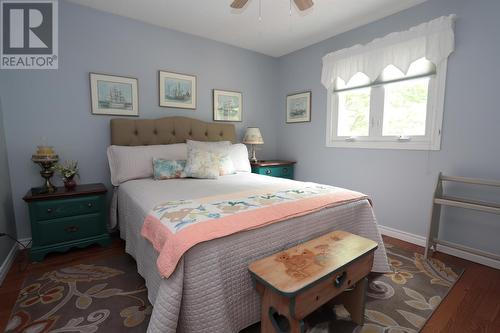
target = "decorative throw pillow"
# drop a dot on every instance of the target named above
(202, 164)
(222, 148)
(226, 166)
(168, 169)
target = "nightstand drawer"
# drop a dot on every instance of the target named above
(69, 228)
(274, 168)
(45, 210)
(287, 172)
(270, 171)
(275, 171)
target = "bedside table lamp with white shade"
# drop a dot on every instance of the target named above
(253, 137)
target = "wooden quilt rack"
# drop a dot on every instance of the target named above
(440, 199)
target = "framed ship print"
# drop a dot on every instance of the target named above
(177, 90)
(298, 107)
(114, 95)
(228, 105)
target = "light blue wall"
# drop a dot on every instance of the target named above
(400, 182)
(7, 223)
(56, 104)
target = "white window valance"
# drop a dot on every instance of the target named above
(433, 40)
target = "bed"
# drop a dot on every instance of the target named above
(211, 289)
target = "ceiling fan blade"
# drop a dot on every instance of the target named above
(238, 4)
(303, 4)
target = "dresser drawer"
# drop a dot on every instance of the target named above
(69, 228)
(53, 209)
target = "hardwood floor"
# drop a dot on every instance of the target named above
(473, 305)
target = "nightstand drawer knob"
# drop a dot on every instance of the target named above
(268, 171)
(49, 210)
(71, 228)
(285, 170)
(89, 205)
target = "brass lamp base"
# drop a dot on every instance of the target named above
(253, 159)
(47, 165)
(47, 186)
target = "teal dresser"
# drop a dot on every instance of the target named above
(66, 219)
(282, 169)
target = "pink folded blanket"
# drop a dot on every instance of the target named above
(175, 226)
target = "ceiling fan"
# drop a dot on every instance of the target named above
(301, 4)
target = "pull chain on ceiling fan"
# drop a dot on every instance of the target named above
(301, 4)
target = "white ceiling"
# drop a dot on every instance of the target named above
(276, 34)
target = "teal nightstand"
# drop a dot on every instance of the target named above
(282, 169)
(66, 219)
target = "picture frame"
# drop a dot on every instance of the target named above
(177, 90)
(114, 95)
(227, 105)
(298, 107)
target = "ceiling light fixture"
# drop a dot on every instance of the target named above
(301, 5)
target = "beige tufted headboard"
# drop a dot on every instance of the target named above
(168, 130)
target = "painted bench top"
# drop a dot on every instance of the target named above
(290, 271)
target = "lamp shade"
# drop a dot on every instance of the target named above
(253, 136)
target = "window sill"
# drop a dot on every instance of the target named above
(409, 145)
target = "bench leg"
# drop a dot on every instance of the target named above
(354, 301)
(274, 321)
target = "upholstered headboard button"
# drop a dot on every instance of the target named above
(168, 130)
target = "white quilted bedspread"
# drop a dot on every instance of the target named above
(211, 289)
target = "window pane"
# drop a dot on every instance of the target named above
(405, 107)
(354, 112)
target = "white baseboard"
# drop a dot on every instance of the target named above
(7, 263)
(402, 235)
(421, 241)
(25, 241)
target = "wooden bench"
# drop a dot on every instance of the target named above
(297, 281)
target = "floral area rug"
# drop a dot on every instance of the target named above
(105, 296)
(398, 302)
(109, 296)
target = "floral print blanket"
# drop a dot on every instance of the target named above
(174, 227)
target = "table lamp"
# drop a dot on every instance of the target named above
(253, 137)
(46, 158)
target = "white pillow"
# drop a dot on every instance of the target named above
(221, 148)
(239, 155)
(136, 162)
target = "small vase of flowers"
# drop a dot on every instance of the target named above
(68, 171)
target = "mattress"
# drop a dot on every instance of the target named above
(211, 289)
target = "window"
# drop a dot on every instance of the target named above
(389, 93)
(354, 107)
(396, 110)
